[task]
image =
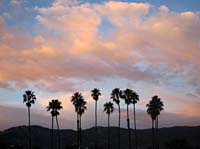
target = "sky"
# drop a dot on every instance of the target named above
(58, 47)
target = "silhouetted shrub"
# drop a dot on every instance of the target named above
(36, 147)
(178, 144)
(16, 147)
(71, 147)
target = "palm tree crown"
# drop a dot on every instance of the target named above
(79, 103)
(54, 107)
(127, 95)
(95, 94)
(108, 108)
(29, 98)
(115, 95)
(135, 98)
(154, 107)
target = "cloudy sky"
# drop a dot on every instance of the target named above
(57, 47)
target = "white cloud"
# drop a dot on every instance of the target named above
(16, 3)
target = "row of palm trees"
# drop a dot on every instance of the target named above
(154, 107)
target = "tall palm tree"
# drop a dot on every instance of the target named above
(75, 101)
(154, 107)
(54, 107)
(29, 98)
(81, 110)
(80, 107)
(95, 93)
(159, 105)
(108, 108)
(115, 96)
(135, 99)
(127, 96)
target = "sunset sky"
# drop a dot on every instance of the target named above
(58, 47)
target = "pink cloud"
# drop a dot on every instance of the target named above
(68, 46)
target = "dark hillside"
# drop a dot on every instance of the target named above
(41, 137)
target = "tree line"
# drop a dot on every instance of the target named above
(154, 107)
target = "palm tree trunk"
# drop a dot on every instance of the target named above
(96, 125)
(119, 127)
(80, 134)
(153, 142)
(52, 134)
(129, 132)
(77, 133)
(136, 139)
(157, 135)
(29, 127)
(58, 133)
(108, 131)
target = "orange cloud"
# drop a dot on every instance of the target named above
(69, 45)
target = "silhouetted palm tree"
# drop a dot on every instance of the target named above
(154, 108)
(135, 99)
(54, 107)
(127, 96)
(95, 94)
(29, 98)
(75, 101)
(81, 110)
(159, 105)
(115, 96)
(108, 108)
(80, 107)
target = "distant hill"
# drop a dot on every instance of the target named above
(41, 137)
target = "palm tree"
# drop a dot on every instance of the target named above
(154, 108)
(80, 107)
(95, 94)
(135, 99)
(127, 96)
(151, 112)
(81, 110)
(108, 108)
(115, 96)
(75, 101)
(29, 98)
(159, 105)
(54, 107)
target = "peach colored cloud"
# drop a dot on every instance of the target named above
(69, 48)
